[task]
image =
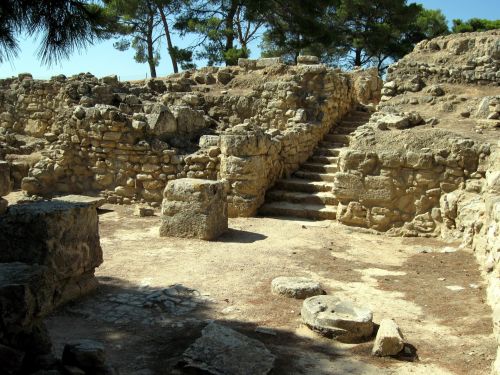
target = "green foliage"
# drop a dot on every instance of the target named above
(62, 25)
(223, 27)
(474, 24)
(350, 32)
(184, 57)
(431, 23)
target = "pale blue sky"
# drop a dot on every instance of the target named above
(103, 59)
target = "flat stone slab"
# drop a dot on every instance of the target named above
(223, 351)
(340, 320)
(92, 201)
(296, 287)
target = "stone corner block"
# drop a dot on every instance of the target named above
(194, 208)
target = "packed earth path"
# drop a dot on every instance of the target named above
(431, 288)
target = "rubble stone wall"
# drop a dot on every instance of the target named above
(474, 216)
(126, 141)
(400, 190)
(468, 58)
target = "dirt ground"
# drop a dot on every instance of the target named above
(229, 281)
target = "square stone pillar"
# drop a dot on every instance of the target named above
(194, 208)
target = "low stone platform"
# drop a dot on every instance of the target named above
(194, 208)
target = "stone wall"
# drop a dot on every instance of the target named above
(474, 216)
(469, 58)
(384, 186)
(126, 141)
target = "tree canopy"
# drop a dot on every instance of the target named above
(63, 25)
(474, 24)
(341, 32)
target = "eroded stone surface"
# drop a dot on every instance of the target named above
(389, 340)
(194, 208)
(338, 319)
(223, 351)
(296, 287)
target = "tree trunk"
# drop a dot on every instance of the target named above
(169, 40)
(230, 28)
(150, 47)
(357, 57)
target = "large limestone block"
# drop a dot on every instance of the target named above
(5, 184)
(332, 317)
(378, 190)
(243, 140)
(189, 120)
(161, 121)
(347, 186)
(194, 208)
(221, 350)
(62, 236)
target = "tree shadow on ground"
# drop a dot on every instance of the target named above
(144, 340)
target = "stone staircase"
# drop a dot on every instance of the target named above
(308, 193)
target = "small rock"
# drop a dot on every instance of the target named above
(296, 287)
(465, 114)
(221, 350)
(143, 211)
(338, 319)
(455, 288)
(389, 340)
(72, 370)
(449, 249)
(441, 279)
(432, 121)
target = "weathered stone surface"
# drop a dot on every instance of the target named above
(5, 183)
(62, 236)
(95, 202)
(223, 351)
(296, 287)
(161, 121)
(194, 208)
(389, 340)
(308, 59)
(393, 121)
(338, 319)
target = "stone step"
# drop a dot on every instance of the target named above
(343, 130)
(324, 159)
(314, 176)
(322, 197)
(304, 186)
(322, 151)
(337, 138)
(319, 167)
(325, 144)
(307, 211)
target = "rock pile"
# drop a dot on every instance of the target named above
(5, 185)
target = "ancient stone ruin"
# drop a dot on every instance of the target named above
(211, 154)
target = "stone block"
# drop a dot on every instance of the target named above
(378, 190)
(389, 340)
(194, 208)
(347, 186)
(307, 59)
(64, 237)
